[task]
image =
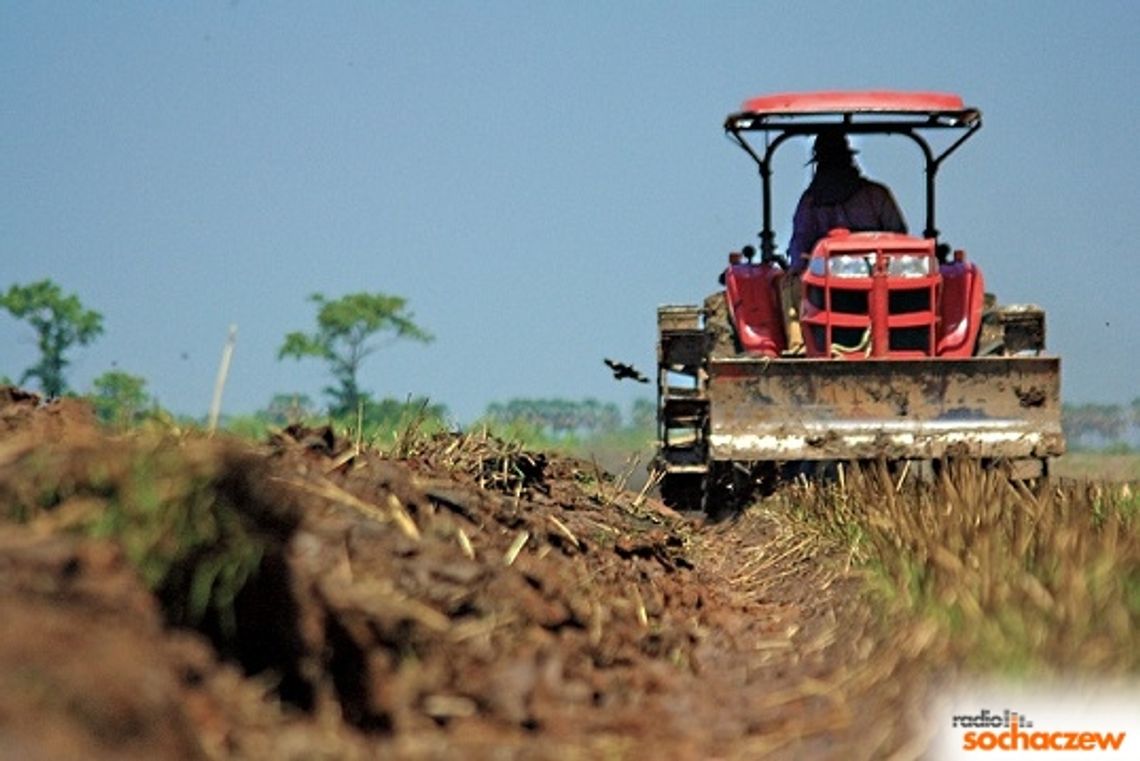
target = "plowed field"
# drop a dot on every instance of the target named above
(167, 595)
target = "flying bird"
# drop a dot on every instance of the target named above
(623, 371)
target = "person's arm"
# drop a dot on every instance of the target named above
(803, 235)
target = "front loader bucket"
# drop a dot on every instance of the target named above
(816, 409)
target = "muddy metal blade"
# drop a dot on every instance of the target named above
(809, 409)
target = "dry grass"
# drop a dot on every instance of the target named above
(953, 578)
(1015, 579)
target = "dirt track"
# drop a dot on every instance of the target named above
(466, 601)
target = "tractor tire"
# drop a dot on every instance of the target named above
(684, 492)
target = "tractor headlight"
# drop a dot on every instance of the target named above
(851, 265)
(909, 265)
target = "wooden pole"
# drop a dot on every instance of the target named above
(220, 383)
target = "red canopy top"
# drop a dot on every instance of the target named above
(887, 112)
(854, 101)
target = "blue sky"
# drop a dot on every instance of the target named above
(534, 177)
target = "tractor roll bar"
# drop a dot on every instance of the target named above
(798, 115)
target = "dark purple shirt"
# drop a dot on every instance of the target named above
(870, 208)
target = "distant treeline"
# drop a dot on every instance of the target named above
(1101, 425)
(563, 417)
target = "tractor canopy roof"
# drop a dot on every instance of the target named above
(784, 116)
(861, 110)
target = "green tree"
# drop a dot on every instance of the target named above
(120, 398)
(344, 337)
(287, 409)
(643, 416)
(60, 323)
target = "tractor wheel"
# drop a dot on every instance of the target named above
(723, 492)
(767, 477)
(683, 491)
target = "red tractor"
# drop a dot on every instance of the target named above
(904, 355)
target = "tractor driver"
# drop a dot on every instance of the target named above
(839, 196)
